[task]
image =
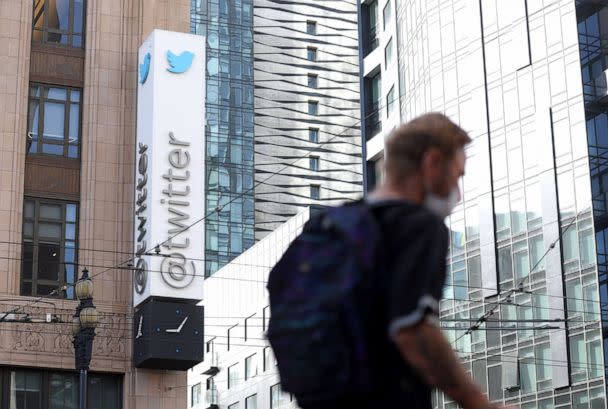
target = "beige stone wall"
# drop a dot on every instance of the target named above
(114, 30)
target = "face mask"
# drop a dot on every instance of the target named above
(442, 206)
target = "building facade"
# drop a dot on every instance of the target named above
(307, 125)
(67, 130)
(239, 370)
(229, 171)
(526, 269)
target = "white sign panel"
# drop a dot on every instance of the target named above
(169, 172)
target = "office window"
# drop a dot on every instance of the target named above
(313, 80)
(527, 370)
(276, 396)
(50, 231)
(63, 388)
(390, 101)
(266, 359)
(59, 22)
(233, 376)
(314, 163)
(578, 358)
(315, 192)
(313, 108)
(388, 53)
(370, 32)
(37, 389)
(386, 14)
(311, 27)
(234, 406)
(26, 390)
(54, 120)
(311, 54)
(195, 397)
(251, 367)
(313, 135)
(251, 402)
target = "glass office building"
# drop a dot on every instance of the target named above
(526, 283)
(228, 28)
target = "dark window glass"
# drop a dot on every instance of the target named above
(314, 163)
(59, 22)
(63, 391)
(313, 135)
(495, 383)
(54, 120)
(312, 54)
(371, 40)
(313, 107)
(315, 192)
(313, 80)
(26, 390)
(49, 247)
(311, 27)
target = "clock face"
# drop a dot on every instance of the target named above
(167, 334)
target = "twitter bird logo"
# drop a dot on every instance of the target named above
(179, 63)
(144, 68)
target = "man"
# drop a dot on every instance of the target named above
(424, 161)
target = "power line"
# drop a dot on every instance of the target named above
(217, 209)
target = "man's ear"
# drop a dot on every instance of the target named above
(431, 162)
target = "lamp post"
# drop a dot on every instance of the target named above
(83, 328)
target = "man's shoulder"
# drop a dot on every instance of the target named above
(408, 218)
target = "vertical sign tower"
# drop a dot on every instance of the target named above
(169, 202)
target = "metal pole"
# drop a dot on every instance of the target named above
(83, 389)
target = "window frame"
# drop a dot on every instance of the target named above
(313, 81)
(35, 240)
(389, 43)
(315, 132)
(248, 361)
(42, 99)
(311, 27)
(232, 368)
(317, 189)
(198, 389)
(70, 33)
(314, 163)
(255, 397)
(311, 51)
(390, 101)
(315, 105)
(385, 20)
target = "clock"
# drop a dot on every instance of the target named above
(167, 335)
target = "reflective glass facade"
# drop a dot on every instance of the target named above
(523, 244)
(592, 18)
(228, 28)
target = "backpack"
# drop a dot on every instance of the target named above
(320, 302)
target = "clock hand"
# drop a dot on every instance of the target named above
(178, 329)
(139, 333)
(182, 324)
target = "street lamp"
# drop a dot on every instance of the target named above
(83, 328)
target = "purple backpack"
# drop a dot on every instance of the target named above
(320, 301)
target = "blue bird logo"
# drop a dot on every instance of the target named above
(179, 63)
(144, 68)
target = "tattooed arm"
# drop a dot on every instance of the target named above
(426, 349)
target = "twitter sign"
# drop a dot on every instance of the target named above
(179, 63)
(170, 168)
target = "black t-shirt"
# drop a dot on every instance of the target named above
(415, 244)
(408, 287)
